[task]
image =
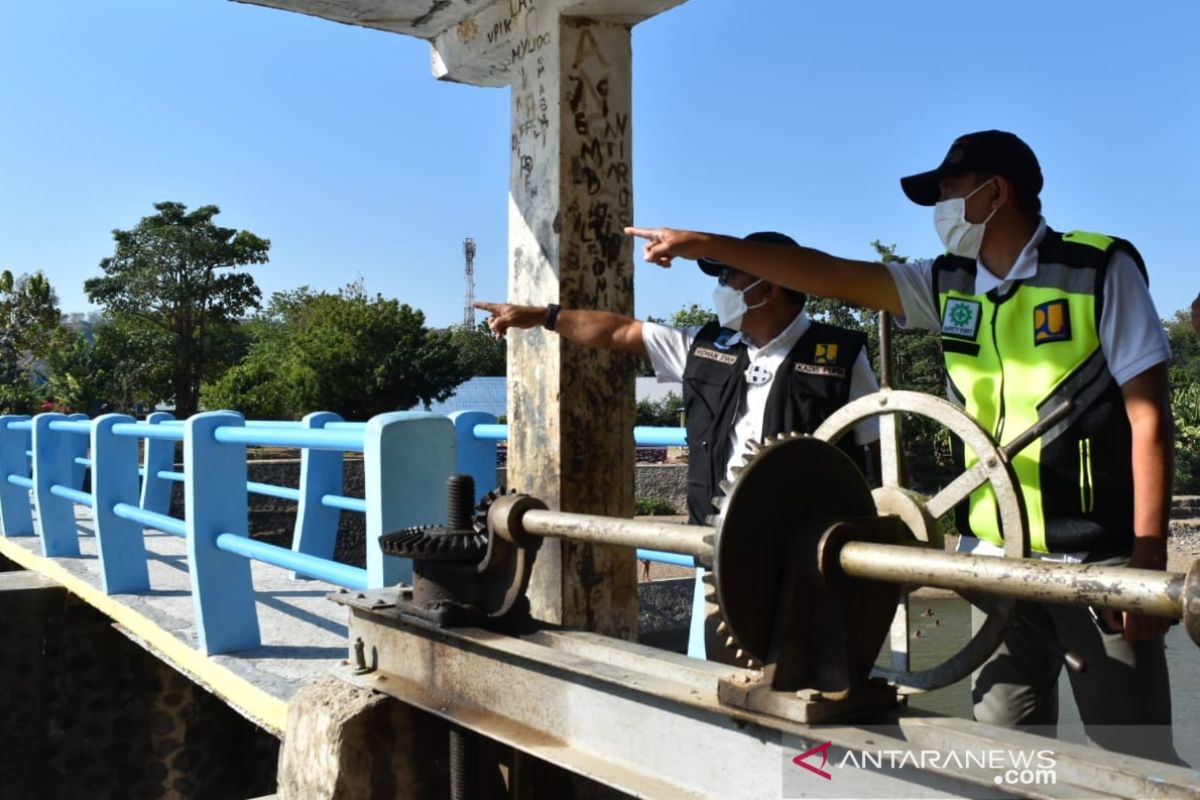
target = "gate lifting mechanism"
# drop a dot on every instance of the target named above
(807, 565)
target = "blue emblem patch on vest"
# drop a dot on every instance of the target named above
(722, 340)
(1051, 322)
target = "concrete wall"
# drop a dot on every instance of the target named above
(85, 712)
(662, 482)
(654, 481)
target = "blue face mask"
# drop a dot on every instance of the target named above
(731, 305)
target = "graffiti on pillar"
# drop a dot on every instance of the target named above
(600, 169)
(499, 31)
(531, 107)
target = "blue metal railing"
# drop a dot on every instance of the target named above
(477, 434)
(406, 457)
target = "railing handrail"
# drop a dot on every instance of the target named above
(643, 435)
(318, 439)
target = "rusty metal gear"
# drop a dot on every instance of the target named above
(435, 543)
(458, 541)
(480, 514)
(721, 643)
(784, 486)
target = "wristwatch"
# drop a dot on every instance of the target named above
(552, 310)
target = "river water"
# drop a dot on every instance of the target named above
(947, 629)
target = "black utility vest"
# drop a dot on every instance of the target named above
(812, 382)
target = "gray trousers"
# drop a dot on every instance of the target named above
(1124, 694)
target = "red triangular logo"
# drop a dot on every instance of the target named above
(823, 749)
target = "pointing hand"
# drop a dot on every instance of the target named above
(664, 244)
(506, 315)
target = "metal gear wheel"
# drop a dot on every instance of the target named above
(435, 543)
(782, 484)
(721, 643)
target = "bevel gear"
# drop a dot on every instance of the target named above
(435, 543)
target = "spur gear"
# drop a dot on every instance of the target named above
(479, 515)
(789, 485)
(721, 641)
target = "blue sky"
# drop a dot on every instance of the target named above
(337, 144)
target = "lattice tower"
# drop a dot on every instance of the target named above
(468, 308)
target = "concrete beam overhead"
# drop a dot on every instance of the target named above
(472, 41)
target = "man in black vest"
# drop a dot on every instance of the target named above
(762, 368)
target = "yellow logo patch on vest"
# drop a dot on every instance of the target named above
(1051, 322)
(826, 354)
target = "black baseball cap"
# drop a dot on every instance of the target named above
(713, 267)
(989, 152)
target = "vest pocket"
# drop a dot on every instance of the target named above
(1087, 495)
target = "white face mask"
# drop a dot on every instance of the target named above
(960, 237)
(731, 305)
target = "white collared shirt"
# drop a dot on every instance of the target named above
(669, 347)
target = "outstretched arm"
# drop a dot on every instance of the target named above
(863, 283)
(600, 329)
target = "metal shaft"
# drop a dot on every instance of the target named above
(670, 537)
(1142, 590)
(885, 350)
(1151, 592)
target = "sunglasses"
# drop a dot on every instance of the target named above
(725, 275)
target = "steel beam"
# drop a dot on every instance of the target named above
(649, 723)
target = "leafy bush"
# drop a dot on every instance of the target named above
(1185, 404)
(652, 506)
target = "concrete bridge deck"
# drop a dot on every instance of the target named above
(303, 633)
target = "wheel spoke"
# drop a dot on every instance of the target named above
(956, 491)
(898, 636)
(890, 450)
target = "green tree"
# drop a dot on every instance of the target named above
(347, 352)
(662, 413)
(28, 320)
(176, 273)
(478, 352)
(1185, 400)
(114, 368)
(1185, 349)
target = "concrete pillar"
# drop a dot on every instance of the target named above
(571, 409)
(354, 744)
